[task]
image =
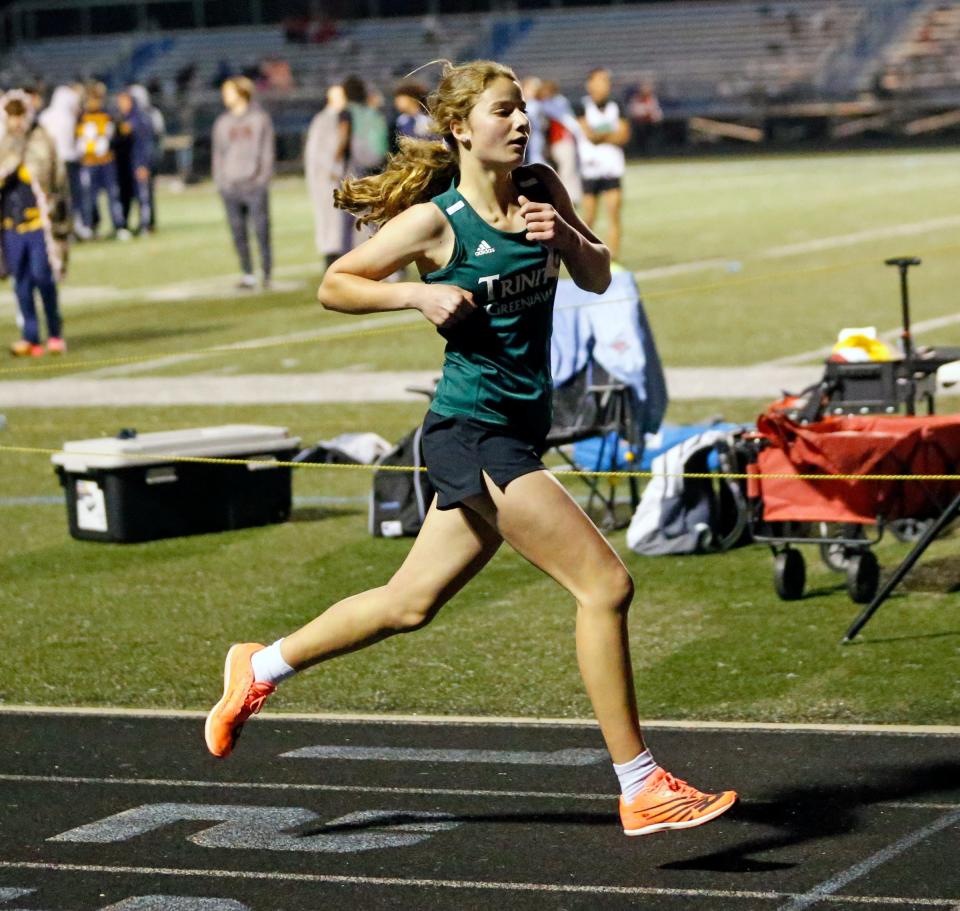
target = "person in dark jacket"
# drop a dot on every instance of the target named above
(141, 95)
(136, 127)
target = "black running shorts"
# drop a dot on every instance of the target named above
(594, 186)
(457, 450)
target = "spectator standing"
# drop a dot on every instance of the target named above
(363, 138)
(59, 120)
(366, 136)
(412, 118)
(34, 223)
(122, 142)
(324, 171)
(243, 155)
(562, 133)
(537, 141)
(136, 126)
(645, 115)
(98, 170)
(141, 96)
(602, 162)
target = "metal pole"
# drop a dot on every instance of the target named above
(905, 307)
(903, 263)
(946, 517)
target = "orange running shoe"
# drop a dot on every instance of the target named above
(669, 803)
(23, 348)
(242, 697)
(56, 345)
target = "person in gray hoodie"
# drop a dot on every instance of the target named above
(243, 154)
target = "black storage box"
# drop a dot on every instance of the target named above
(128, 488)
(880, 387)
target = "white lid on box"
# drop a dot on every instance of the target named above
(225, 441)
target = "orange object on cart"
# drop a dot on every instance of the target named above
(855, 445)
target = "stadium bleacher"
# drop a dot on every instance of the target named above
(377, 50)
(694, 49)
(927, 57)
(724, 48)
(721, 59)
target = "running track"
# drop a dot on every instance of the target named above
(122, 811)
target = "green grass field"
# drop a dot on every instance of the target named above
(146, 625)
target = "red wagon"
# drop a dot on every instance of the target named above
(845, 516)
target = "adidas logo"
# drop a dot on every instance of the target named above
(483, 249)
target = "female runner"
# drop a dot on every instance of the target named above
(488, 237)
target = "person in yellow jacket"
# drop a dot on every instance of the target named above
(98, 168)
(34, 223)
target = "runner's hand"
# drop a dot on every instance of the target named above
(544, 223)
(445, 305)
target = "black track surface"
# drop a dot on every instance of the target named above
(840, 820)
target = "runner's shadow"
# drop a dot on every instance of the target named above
(806, 814)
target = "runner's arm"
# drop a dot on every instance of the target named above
(354, 283)
(587, 259)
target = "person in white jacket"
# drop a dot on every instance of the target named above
(324, 171)
(59, 119)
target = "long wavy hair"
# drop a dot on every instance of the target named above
(422, 168)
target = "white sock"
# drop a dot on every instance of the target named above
(269, 666)
(634, 773)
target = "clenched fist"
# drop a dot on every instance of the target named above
(445, 305)
(544, 223)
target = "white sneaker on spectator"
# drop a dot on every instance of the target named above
(123, 234)
(247, 283)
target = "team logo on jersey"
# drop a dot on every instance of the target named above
(483, 248)
(519, 291)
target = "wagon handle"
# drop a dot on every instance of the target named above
(903, 263)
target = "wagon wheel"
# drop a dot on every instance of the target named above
(909, 530)
(789, 574)
(835, 556)
(863, 576)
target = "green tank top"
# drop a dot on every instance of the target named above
(496, 366)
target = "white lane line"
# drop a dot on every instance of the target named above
(368, 789)
(345, 328)
(835, 883)
(79, 296)
(856, 237)
(461, 884)
(813, 245)
(31, 501)
(773, 727)
(697, 265)
(293, 786)
(568, 757)
(297, 501)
